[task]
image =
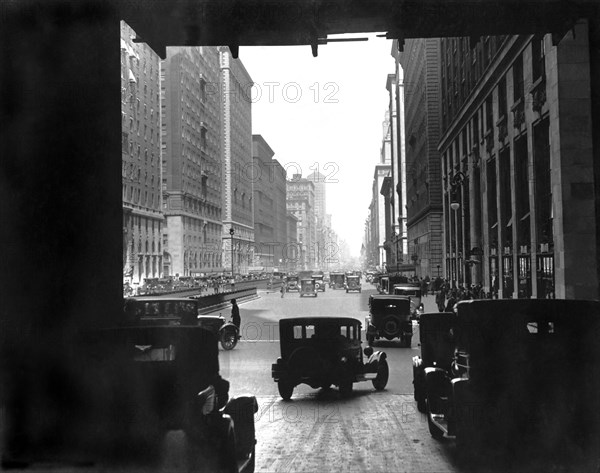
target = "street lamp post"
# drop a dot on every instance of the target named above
(456, 182)
(231, 232)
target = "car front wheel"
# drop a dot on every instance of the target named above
(286, 389)
(228, 339)
(383, 373)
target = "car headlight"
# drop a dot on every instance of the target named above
(343, 359)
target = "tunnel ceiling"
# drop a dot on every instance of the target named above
(162, 23)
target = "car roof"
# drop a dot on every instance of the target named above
(385, 297)
(160, 299)
(318, 320)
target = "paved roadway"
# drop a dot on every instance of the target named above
(318, 431)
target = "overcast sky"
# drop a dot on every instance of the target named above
(326, 114)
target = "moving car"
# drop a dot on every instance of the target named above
(307, 287)
(353, 283)
(522, 373)
(149, 384)
(389, 317)
(413, 292)
(337, 280)
(291, 283)
(319, 282)
(325, 351)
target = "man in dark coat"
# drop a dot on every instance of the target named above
(235, 314)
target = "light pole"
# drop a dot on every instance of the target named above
(456, 183)
(231, 232)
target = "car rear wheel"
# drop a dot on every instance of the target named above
(286, 389)
(383, 374)
(390, 326)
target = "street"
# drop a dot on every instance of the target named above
(316, 430)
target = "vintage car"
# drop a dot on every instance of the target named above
(175, 311)
(291, 284)
(413, 292)
(319, 282)
(149, 386)
(524, 373)
(353, 283)
(389, 317)
(383, 287)
(325, 351)
(337, 280)
(437, 349)
(307, 287)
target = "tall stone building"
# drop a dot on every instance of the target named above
(320, 235)
(420, 62)
(517, 165)
(236, 138)
(191, 161)
(377, 248)
(141, 167)
(270, 209)
(301, 204)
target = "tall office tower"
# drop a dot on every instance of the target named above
(192, 161)
(238, 176)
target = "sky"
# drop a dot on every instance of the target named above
(325, 114)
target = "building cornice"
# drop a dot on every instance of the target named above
(486, 84)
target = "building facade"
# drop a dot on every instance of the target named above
(270, 209)
(322, 247)
(237, 163)
(191, 161)
(420, 61)
(517, 165)
(301, 204)
(141, 162)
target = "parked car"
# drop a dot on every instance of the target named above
(337, 280)
(319, 282)
(175, 311)
(437, 349)
(325, 351)
(307, 287)
(413, 292)
(154, 310)
(353, 284)
(524, 372)
(146, 381)
(389, 317)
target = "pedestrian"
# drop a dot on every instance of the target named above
(235, 314)
(440, 300)
(452, 300)
(282, 290)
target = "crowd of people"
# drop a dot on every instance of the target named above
(447, 294)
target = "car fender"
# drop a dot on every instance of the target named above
(241, 409)
(372, 363)
(435, 379)
(228, 326)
